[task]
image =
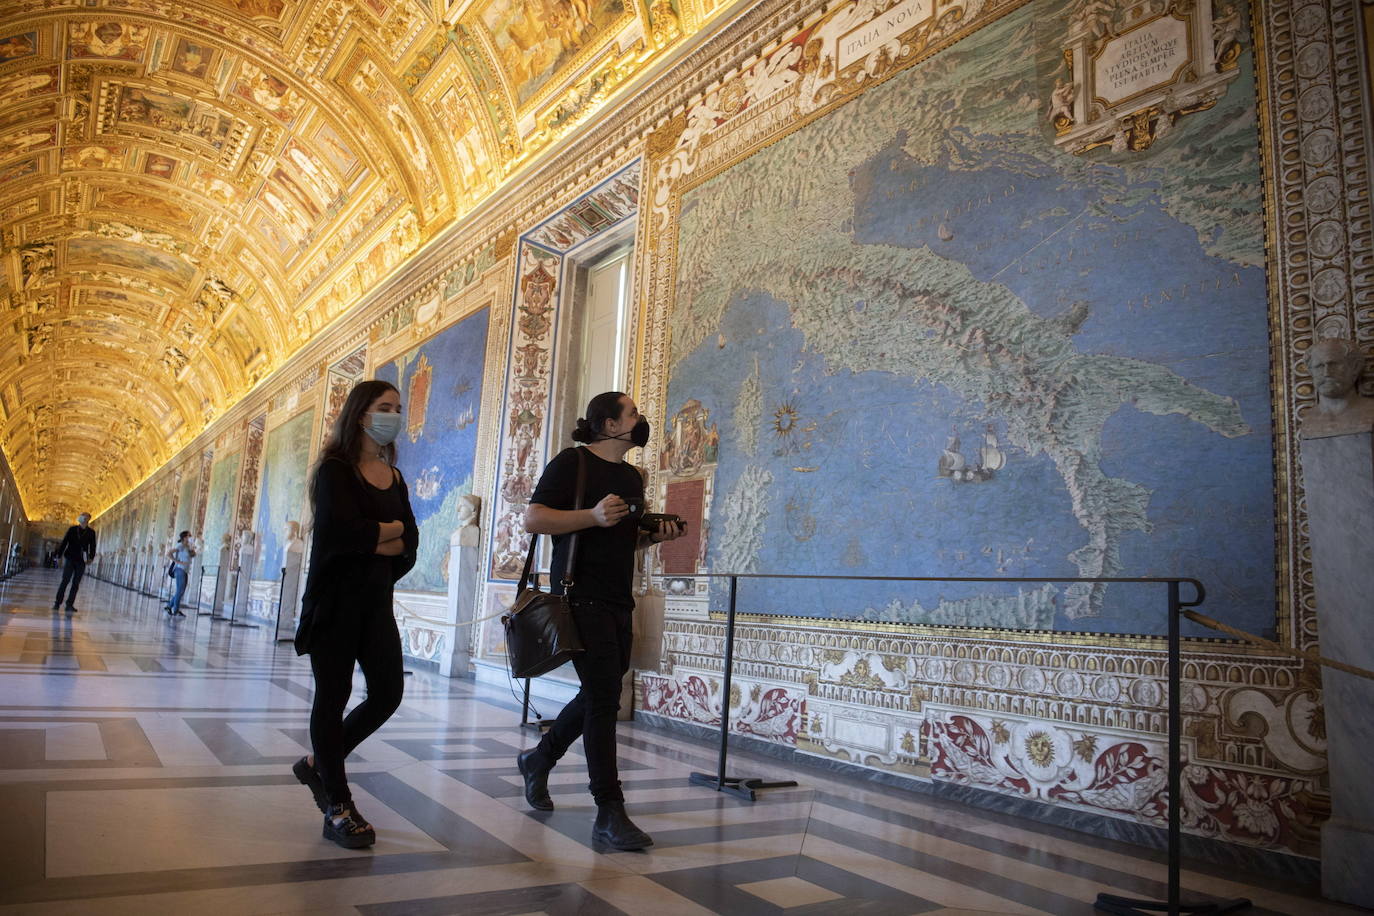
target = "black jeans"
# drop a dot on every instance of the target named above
(367, 635)
(607, 632)
(72, 571)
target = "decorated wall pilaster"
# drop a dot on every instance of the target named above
(541, 298)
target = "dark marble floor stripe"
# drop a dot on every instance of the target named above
(990, 881)
(717, 889)
(126, 744)
(23, 748)
(473, 844)
(228, 746)
(23, 880)
(293, 688)
(1131, 883)
(123, 739)
(505, 782)
(552, 899)
(724, 833)
(986, 881)
(575, 823)
(428, 748)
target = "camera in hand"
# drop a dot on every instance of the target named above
(650, 521)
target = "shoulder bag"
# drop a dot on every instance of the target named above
(540, 632)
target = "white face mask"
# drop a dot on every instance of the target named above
(383, 428)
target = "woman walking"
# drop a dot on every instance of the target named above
(181, 556)
(364, 539)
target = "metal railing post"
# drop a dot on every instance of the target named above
(741, 787)
(725, 689)
(1175, 745)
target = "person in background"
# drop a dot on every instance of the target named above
(77, 549)
(181, 556)
(364, 539)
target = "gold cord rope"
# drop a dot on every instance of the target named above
(1296, 653)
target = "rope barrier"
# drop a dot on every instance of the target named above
(468, 623)
(1305, 654)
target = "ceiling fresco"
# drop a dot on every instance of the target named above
(190, 190)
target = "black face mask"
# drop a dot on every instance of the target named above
(639, 435)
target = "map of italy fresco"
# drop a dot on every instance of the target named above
(933, 343)
(441, 394)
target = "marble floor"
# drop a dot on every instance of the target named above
(145, 768)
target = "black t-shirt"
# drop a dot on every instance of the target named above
(605, 556)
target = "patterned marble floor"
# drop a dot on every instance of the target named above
(145, 768)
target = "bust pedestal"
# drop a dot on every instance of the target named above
(1338, 477)
(462, 599)
(222, 579)
(243, 584)
(290, 588)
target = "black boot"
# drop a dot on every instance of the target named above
(615, 829)
(536, 780)
(307, 776)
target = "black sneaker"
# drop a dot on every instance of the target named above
(309, 777)
(71, 609)
(345, 826)
(178, 613)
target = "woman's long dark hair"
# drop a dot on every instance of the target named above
(346, 438)
(603, 407)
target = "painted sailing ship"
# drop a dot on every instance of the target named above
(990, 459)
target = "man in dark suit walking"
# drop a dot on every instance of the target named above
(77, 549)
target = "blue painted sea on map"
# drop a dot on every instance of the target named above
(854, 456)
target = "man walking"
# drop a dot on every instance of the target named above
(77, 549)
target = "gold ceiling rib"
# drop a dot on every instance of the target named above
(189, 190)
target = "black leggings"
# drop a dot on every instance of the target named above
(372, 640)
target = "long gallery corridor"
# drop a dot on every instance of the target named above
(145, 768)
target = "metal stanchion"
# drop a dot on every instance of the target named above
(738, 786)
(1121, 906)
(281, 602)
(525, 721)
(214, 613)
(1127, 906)
(234, 614)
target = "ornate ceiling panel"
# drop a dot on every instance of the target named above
(190, 189)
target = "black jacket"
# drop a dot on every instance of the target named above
(78, 544)
(344, 542)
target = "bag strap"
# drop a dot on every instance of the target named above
(572, 543)
(577, 504)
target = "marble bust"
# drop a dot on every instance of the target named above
(468, 514)
(295, 544)
(468, 508)
(1336, 364)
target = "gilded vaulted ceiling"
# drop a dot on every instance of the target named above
(189, 190)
